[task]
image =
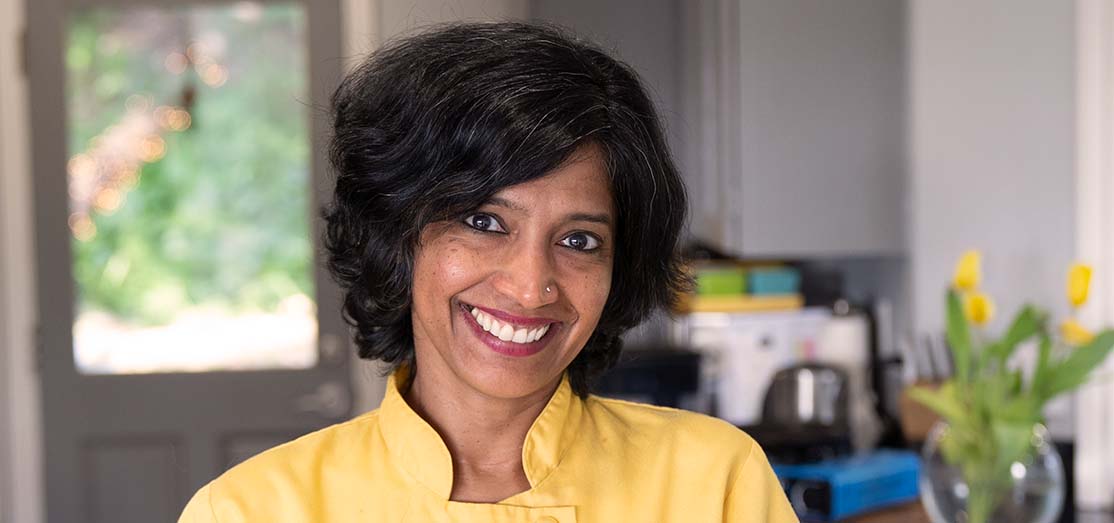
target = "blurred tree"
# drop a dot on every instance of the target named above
(218, 216)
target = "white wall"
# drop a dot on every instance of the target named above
(20, 471)
(401, 16)
(1094, 446)
(991, 149)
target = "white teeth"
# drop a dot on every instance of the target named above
(519, 336)
(505, 331)
(536, 334)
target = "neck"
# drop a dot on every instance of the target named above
(484, 434)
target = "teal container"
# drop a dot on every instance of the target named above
(766, 281)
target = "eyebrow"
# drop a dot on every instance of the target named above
(503, 202)
(603, 219)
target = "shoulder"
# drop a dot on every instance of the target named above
(299, 461)
(689, 449)
(697, 435)
(297, 480)
(312, 445)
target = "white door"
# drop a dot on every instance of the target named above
(186, 321)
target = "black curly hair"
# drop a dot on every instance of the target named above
(431, 126)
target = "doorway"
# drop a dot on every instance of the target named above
(186, 319)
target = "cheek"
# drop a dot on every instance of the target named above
(603, 290)
(442, 269)
(592, 288)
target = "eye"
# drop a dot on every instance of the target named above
(581, 241)
(483, 222)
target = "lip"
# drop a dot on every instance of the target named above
(509, 348)
(521, 321)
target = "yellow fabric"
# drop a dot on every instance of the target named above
(587, 460)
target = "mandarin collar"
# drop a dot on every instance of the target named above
(421, 452)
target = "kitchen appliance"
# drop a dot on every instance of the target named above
(836, 489)
(807, 396)
(805, 415)
(845, 342)
(743, 351)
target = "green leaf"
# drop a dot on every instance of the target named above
(945, 402)
(1012, 441)
(1022, 409)
(1044, 359)
(959, 447)
(1028, 322)
(959, 337)
(996, 390)
(1072, 371)
(952, 447)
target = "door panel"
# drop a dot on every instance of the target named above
(133, 479)
(186, 322)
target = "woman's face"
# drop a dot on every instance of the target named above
(505, 297)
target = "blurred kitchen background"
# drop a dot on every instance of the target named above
(163, 315)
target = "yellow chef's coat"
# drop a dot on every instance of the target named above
(590, 460)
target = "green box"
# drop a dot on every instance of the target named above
(720, 281)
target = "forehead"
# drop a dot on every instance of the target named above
(580, 184)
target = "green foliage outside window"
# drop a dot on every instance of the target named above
(220, 220)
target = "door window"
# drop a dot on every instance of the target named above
(189, 188)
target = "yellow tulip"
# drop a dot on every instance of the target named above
(1075, 333)
(968, 272)
(1079, 283)
(978, 307)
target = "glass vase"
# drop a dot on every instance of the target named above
(1031, 491)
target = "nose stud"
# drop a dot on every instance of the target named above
(547, 289)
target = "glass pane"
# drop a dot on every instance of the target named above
(189, 188)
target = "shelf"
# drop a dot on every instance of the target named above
(740, 303)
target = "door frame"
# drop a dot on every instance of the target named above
(21, 436)
(81, 414)
(21, 488)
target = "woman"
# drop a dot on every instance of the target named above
(505, 208)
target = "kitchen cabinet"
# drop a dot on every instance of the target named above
(793, 125)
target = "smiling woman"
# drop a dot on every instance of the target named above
(505, 209)
(537, 259)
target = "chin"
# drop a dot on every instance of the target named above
(509, 385)
(507, 378)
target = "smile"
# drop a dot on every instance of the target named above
(510, 335)
(506, 331)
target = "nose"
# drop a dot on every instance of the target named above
(528, 275)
